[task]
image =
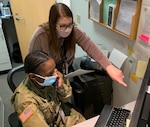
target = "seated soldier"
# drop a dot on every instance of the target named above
(40, 98)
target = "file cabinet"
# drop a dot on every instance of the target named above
(5, 63)
(97, 91)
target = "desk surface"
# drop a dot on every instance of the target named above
(88, 123)
(92, 121)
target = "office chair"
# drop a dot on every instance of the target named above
(13, 82)
(14, 78)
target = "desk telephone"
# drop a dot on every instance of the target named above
(89, 64)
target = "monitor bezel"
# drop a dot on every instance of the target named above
(140, 98)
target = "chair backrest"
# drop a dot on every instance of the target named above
(15, 76)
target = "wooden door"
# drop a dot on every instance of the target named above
(28, 14)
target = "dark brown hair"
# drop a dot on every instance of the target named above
(33, 60)
(56, 11)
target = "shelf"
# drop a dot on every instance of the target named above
(120, 16)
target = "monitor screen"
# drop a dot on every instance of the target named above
(141, 113)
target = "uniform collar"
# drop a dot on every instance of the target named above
(44, 93)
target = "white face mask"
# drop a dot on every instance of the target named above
(64, 33)
(48, 81)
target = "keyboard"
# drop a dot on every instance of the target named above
(112, 116)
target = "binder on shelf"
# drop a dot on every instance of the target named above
(110, 17)
(94, 10)
(124, 20)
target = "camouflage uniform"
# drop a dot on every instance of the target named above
(42, 107)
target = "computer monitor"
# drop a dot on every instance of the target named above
(141, 113)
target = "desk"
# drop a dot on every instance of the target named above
(88, 123)
(130, 106)
(92, 121)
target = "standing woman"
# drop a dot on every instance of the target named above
(58, 38)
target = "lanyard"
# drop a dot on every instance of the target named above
(65, 68)
(65, 71)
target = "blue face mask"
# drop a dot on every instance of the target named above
(48, 81)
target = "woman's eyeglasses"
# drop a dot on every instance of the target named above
(64, 27)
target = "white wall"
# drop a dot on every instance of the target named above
(4, 2)
(67, 2)
(108, 40)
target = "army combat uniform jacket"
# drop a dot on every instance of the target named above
(42, 107)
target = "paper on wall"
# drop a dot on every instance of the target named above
(141, 68)
(99, 1)
(117, 58)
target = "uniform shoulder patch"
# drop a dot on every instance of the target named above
(25, 115)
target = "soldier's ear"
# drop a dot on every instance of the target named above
(31, 76)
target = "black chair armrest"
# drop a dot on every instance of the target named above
(14, 120)
(78, 95)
